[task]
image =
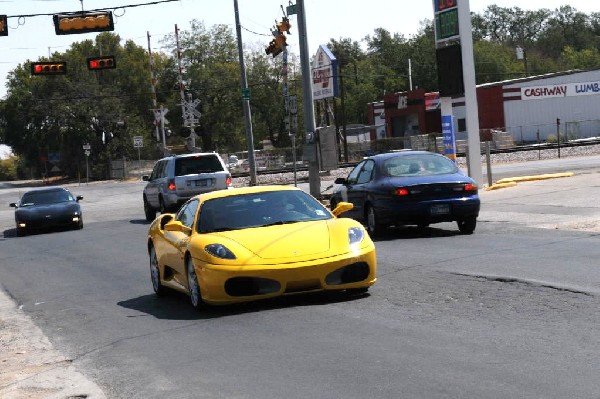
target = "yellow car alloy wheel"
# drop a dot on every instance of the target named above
(193, 287)
(155, 272)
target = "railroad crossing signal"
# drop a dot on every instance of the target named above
(190, 114)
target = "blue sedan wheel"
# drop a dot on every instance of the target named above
(193, 287)
(467, 226)
(374, 227)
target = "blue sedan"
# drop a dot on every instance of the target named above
(409, 188)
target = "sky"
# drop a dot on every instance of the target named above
(32, 37)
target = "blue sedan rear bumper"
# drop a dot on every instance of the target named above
(397, 212)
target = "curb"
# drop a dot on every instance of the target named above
(512, 181)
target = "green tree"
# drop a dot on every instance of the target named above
(46, 115)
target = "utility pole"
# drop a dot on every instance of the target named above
(245, 99)
(153, 89)
(310, 146)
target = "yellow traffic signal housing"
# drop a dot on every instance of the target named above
(83, 22)
(284, 26)
(48, 68)
(276, 45)
(3, 25)
(271, 47)
(98, 63)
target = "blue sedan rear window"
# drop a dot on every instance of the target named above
(418, 165)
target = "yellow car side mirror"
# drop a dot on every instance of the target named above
(177, 226)
(342, 207)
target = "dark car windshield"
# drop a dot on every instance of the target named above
(197, 164)
(418, 165)
(259, 210)
(46, 197)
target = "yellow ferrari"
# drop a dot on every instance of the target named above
(258, 242)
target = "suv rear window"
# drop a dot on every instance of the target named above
(195, 165)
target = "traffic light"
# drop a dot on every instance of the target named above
(276, 45)
(3, 25)
(98, 63)
(284, 26)
(48, 68)
(83, 22)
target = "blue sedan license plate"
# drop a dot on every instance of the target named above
(440, 209)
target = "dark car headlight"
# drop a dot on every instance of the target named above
(219, 251)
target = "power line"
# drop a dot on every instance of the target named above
(97, 9)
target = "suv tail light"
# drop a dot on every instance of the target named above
(171, 186)
(228, 181)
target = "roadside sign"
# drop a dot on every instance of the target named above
(87, 153)
(246, 93)
(87, 147)
(291, 9)
(138, 141)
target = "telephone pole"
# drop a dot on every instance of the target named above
(310, 146)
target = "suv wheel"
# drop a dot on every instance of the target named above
(149, 211)
(162, 207)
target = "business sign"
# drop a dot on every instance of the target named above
(560, 90)
(448, 137)
(446, 20)
(324, 74)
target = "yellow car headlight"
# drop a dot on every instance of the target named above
(355, 235)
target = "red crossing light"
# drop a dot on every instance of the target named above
(48, 68)
(98, 63)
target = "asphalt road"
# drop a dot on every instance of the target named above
(510, 311)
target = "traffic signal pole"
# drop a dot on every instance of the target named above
(310, 146)
(245, 101)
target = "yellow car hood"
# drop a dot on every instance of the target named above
(298, 240)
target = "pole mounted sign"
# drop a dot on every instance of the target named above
(446, 19)
(448, 49)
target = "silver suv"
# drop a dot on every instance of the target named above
(177, 178)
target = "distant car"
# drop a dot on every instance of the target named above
(258, 242)
(177, 178)
(232, 161)
(47, 208)
(409, 188)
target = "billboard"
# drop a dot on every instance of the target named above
(324, 74)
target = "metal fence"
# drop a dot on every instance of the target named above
(283, 158)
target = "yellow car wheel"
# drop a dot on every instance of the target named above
(155, 273)
(193, 287)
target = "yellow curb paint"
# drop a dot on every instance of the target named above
(500, 185)
(536, 177)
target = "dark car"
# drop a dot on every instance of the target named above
(47, 208)
(409, 188)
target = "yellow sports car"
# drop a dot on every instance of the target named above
(258, 242)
